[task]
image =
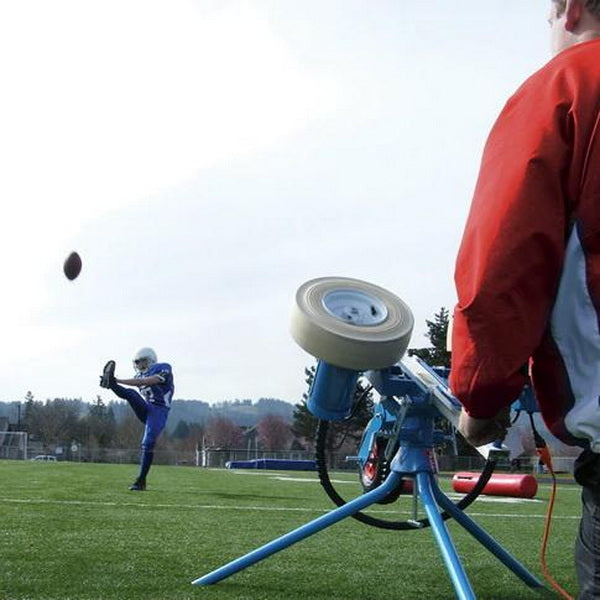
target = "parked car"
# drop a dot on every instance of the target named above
(45, 457)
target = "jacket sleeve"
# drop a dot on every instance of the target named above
(510, 257)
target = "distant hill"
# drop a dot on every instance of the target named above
(245, 413)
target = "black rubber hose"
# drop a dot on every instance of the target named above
(320, 455)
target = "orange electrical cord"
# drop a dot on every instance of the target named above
(546, 458)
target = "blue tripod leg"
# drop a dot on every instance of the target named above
(486, 539)
(455, 569)
(301, 533)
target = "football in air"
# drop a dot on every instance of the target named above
(72, 266)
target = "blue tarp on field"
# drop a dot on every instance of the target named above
(275, 464)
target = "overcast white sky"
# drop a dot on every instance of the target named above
(207, 157)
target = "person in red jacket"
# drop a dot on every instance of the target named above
(528, 268)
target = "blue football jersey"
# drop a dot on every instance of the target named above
(160, 393)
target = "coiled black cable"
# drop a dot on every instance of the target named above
(320, 455)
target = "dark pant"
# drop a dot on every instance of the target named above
(154, 418)
(587, 546)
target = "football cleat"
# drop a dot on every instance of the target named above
(107, 379)
(137, 486)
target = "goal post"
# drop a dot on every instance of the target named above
(13, 445)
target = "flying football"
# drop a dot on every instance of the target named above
(72, 266)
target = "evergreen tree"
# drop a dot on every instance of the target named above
(182, 430)
(101, 424)
(438, 356)
(31, 415)
(437, 331)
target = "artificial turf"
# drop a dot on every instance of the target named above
(74, 531)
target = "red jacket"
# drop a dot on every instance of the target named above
(528, 269)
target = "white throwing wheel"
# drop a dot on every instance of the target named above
(350, 323)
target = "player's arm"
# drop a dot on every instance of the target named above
(142, 381)
(162, 375)
(510, 258)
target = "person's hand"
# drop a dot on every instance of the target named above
(483, 431)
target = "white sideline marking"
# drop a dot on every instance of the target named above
(302, 479)
(252, 508)
(289, 477)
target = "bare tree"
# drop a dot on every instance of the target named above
(129, 432)
(52, 422)
(274, 433)
(224, 433)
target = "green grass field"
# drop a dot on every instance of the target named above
(74, 531)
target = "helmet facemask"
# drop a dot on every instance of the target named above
(143, 360)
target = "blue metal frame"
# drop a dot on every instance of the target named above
(415, 413)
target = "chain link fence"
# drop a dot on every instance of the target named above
(218, 459)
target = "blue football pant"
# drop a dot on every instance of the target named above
(154, 418)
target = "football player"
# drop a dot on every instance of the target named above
(150, 401)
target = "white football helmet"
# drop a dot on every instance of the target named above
(144, 358)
